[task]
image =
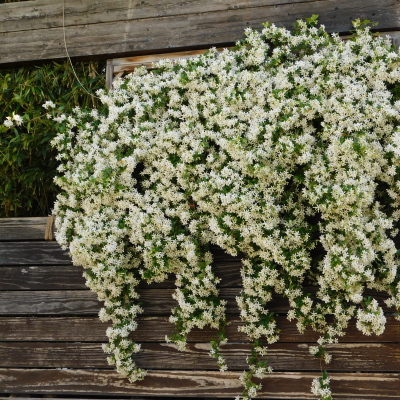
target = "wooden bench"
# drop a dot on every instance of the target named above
(50, 337)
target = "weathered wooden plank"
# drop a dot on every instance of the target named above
(213, 384)
(22, 228)
(42, 277)
(70, 277)
(281, 356)
(155, 302)
(83, 398)
(83, 302)
(48, 14)
(30, 232)
(154, 329)
(22, 222)
(33, 253)
(76, 302)
(81, 329)
(200, 29)
(19, 397)
(65, 302)
(128, 64)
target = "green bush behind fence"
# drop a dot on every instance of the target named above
(27, 162)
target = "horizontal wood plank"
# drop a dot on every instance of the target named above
(155, 302)
(43, 253)
(154, 329)
(22, 228)
(63, 302)
(33, 253)
(281, 356)
(128, 64)
(81, 329)
(42, 277)
(197, 25)
(21, 397)
(48, 14)
(54, 277)
(287, 385)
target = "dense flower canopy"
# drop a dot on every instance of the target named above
(283, 148)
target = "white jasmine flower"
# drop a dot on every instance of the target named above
(8, 122)
(48, 104)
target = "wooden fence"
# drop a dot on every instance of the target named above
(33, 30)
(50, 337)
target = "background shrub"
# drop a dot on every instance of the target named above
(27, 162)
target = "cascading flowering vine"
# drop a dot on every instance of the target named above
(284, 144)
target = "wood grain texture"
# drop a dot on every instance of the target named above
(155, 302)
(42, 277)
(128, 64)
(83, 302)
(63, 302)
(48, 14)
(211, 384)
(22, 228)
(81, 329)
(154, 329)
(281, 356)
(22, 222)
(33, 253)
(54, 277)
(197, 25)
(21, 397)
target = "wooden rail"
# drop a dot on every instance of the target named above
(48, 321)
(33, 30)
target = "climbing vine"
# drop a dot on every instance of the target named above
(283, 148)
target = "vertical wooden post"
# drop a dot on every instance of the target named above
(109, 74)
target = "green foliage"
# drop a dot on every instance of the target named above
(27, 161)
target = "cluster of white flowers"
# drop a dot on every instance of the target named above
(48, 104)
(289, 140)
(321, 388)
(10, 121)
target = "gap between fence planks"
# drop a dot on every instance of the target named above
(286, 385)
(196, 27)
(154, 329)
